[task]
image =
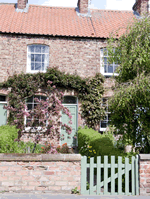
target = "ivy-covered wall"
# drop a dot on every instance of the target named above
(88, 90)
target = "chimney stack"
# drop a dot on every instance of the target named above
(22, 4)
(141, 6)
(83, 6)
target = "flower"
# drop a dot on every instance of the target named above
(90, 146)
(42, 147)
(65, 144)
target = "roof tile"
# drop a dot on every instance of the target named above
(45, 20)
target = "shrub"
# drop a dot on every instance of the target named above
(101, 144)
(7, 144)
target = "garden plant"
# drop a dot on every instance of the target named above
(129, 106)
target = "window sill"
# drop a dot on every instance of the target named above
(102, 129)
(37, 71)
(42, 130)
(110, 74)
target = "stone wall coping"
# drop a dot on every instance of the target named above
(144, 156)
(39, 157)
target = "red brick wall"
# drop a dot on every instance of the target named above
(81, 56)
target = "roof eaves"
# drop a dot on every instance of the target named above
(71, 36)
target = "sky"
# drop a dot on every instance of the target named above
(99, 4)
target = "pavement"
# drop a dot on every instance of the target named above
(62, 196)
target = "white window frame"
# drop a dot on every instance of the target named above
(107, 113)
(27, 128)
(29, 59)
(102, 69)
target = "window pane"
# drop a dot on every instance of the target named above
(115, 67)
(42, 49)
(46, 58)
(110, 68)
(103, 124)
(37, 66)
(109, 116)
(43, 98)
(105, 68)
(2, 98)
(31, 48)
(29, 106)
(43, 58)
(39, 97)
(105, 60)
(38, 49)
(37, 58)
(69, 100)
(32, 57)
(46, 49)
(30, 99)
(32, 66)
(35, 105)
(43, 67)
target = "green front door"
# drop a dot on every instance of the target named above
(3, 114)
(65, 120)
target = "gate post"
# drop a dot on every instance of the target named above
(144, 174)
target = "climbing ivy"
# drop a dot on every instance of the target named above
(90, 90)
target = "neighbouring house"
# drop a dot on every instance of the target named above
(33, 38)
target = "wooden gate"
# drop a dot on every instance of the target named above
(111, 178)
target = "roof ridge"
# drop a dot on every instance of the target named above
(112, 10)
(57, 7)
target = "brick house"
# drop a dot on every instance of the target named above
(33, 38)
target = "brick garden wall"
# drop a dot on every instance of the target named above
(40, 172)
(145, 174)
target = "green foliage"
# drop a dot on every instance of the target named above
(92, 109)
(75, 191)
(129, 106)
(130, 111)
(93, 144)
(7, 145)
(132, 50)
(89, 91)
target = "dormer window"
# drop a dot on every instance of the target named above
(105, 68)
(38, 58)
